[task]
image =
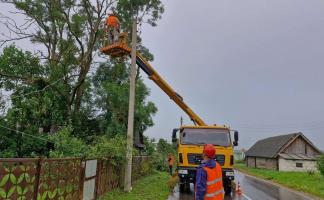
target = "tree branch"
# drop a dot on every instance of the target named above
(3, 42)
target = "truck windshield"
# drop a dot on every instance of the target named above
(220, 137)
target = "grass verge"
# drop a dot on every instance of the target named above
(154, 186)
(301, 181)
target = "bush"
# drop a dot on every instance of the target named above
(320, 164)
(113, 149)
(147, 168)
(65, 145)
(160, 156)
(159, 161)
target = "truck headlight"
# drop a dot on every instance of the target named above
(183, 171)
(229, 173)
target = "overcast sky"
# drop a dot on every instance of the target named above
(256, 65)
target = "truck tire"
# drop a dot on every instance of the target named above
(187, 187)
(228, 190)
(182, 187)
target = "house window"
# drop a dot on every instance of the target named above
(299, 165)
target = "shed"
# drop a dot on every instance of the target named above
(291, 152)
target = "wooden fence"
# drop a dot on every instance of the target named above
(68, 178)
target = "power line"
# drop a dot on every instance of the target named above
(37, 91)
(27, 134)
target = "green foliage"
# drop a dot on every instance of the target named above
(67, 145)
(300, 181)
(18, 65)
(2, 104)
(111, 85)
(150, 187)
(113, 149)
(149, 146)
(146, 11)
(54, 88)
(320, 164)
(32, 106)
(160, 156)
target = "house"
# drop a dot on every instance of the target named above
(239, 154)
(292, 152)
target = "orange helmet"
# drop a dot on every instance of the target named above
(209, 150)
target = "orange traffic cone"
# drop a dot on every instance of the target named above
(238, 190)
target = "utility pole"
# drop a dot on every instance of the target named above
(131, 109)
(19, 138)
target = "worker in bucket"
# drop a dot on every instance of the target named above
(209, 183)
(112, 28)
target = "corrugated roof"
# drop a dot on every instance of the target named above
(291, 156)
(269, 147)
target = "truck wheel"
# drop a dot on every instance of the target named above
(187, 187)
(182, 187)
(228, 190)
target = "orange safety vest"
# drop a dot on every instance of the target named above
(171, 160)
(112, 21)
(214, 190)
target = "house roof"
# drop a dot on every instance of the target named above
(270, 147)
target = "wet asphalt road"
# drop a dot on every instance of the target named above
(253, 189)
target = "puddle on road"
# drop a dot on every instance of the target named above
(176, 195)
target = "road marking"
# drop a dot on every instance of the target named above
(245, 196)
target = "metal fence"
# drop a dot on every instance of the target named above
(60, 179)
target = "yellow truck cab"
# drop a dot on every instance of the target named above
(190, 144)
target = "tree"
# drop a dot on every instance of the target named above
(27, 110)
(320, 164)
(150, 146)
(53, 89)
(70, 32)
(111, 85)
(7, 142)
(163, 149)
(145, 11)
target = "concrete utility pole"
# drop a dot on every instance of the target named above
(131, 109)
(19, 140)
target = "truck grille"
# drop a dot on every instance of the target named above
(195, 159)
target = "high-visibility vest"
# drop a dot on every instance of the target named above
(171, 160)
(112, 21)
(214, 190)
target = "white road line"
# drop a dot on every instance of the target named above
(245, 196)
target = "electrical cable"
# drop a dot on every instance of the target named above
(37, 91)
(23, 134)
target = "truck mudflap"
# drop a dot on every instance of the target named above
(187, 175)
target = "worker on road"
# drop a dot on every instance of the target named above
(171, 162)
(209, 183)
(112, 28)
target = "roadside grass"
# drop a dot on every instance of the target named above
(301, 181)
(153, 186)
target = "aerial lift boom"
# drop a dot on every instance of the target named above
(121, 49)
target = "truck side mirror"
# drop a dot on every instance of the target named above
(236, 138)
(174, 135)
